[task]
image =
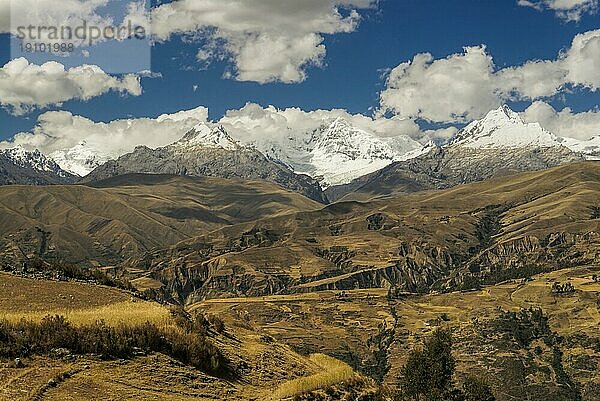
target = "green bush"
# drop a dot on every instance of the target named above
(427, 375)
(525, 326)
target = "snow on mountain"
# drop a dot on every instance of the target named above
(80, 159)
(338, 152)
(590, 148)
(206, 135)
(33, 160)
(504, 128)
(335, 153)
(342, 152)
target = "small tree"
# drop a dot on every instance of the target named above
(427, 374)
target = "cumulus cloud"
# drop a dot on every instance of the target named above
(463, 87)
(15, 13)
(24, 86)
(61, 130)
(266, 40)
(569, 10)
(564, 123)
(255, 124)
(16, 16)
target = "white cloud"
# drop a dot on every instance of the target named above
(267, 40)
(463, 87)
(47, 20)
(14, 13)
(569, 10)
(24, 86)
(582, 60)
(564, 123)
(61, 130)
(455, 89)
(253, 123)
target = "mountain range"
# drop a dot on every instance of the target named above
(498, 145)
(327, 164)
(209, 151)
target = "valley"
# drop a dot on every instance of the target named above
(207, 270)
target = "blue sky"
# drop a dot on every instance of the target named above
(352, 75)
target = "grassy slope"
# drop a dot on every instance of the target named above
(428, 225)
(123, 217)
(263, 364)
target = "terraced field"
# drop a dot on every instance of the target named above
(374, 334)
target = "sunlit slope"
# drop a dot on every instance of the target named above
(120, 217)
(430, 240)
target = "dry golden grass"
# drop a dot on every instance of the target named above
(334, 372)
(80, 303)
(127, 312)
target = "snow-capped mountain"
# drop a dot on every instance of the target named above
(20, 166)
(208, 150)
(342, 152)
(590, 148)
(34, 160)
(80, 159)
(337, 152)
(504, 128)
(204, 135)
(499, 144)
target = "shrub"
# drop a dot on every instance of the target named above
(477, 389)
(216, 323)
(196, 322)
(559, 289)
(123, 341)
(68, 271)
(525, 326)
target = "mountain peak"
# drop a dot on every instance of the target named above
(504, 112)
(207, 136)
(30, 159)
(504, 128)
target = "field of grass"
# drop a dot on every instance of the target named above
(333, 372)
(268, 365)
(18, 294)
(127, 312)
(352, 325)
(30, 299)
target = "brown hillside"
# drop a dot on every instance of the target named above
(117, 218)
(483, 232)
